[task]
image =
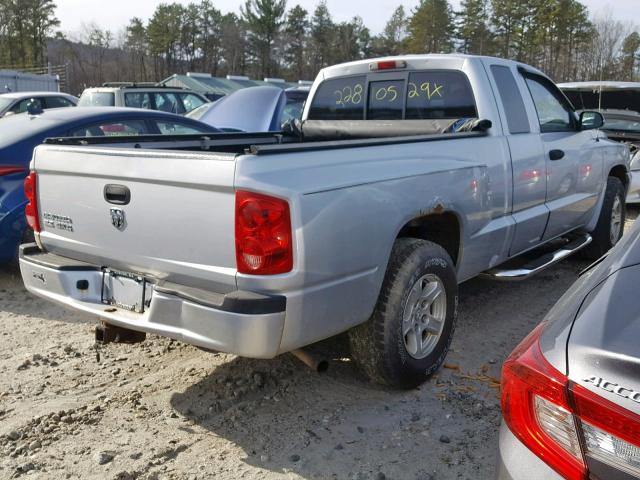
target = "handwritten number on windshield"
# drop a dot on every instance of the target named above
(430, 90)
(387, 93)
(349, 95)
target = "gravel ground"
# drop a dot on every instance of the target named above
(165, 410)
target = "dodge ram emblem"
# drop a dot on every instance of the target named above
(117, 218)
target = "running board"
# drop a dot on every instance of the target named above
(536, 265)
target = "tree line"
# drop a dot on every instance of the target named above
(25, 26)
(266, 38)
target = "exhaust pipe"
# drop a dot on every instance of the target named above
(313, 361)
(106, 333)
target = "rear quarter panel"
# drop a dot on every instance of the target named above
(348, 206)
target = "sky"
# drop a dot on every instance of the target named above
(115, 14)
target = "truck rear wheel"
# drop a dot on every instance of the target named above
(408, 336)
(610, 226)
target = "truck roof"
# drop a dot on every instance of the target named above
(414, 61)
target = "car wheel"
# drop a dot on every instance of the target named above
(610, 226)
(408, 336)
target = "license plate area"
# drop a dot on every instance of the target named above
(128, 291)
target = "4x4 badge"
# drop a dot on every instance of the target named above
(117, 218)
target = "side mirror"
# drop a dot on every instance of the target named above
(591, 120)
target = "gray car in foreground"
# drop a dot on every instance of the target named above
(571, 389)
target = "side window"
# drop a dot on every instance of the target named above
(511, 99)
(339, 99)
(22, 105)
(554, 114)
(190, 101)
(168, 102)
(439, 94)
(386, 100)
(138, 100)
(56, 102)
(175, 128)
(111, 129)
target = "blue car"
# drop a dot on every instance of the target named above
(253, 109)
(20, 134)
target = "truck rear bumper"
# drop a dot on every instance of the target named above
(242, 323)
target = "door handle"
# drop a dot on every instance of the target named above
(556, 154)
(117, 194)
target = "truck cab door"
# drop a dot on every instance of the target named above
(528, 207)
(573, 163)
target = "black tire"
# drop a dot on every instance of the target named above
(379, 346)
(602, 235)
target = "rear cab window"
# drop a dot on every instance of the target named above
(417, 95)
(340, 99)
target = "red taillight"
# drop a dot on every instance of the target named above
(264, 243)
(10, 169)
(31, 210)
(387, 65)
(547, 413)
(605, 415)
(533, 394)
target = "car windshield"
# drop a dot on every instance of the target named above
(622, 124)
(291, 111)
(4, 103)
(96, 99)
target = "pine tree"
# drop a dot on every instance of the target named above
(322, 30)
(296, 29)
(395, 33)
(630, 56)
(507, 19)
(431, 27)
(136, 44)
(264, 20)
(473, 29)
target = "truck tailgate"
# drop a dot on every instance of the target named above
(177, 225)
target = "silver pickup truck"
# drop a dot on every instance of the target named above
(405, 177)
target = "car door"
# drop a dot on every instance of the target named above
(572, 161)
(529, 209)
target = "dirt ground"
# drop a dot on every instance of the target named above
(165, 410)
